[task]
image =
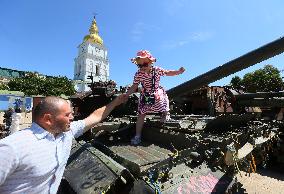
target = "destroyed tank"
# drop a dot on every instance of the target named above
(214, 133)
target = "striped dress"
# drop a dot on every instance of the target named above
(161, 98)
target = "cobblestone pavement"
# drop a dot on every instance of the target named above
(263, 182)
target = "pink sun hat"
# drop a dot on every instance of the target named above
(143, 54)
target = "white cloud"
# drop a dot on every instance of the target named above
(201, 36)
(172, 7)
(140, 28)
(194, 37)
(174, 44)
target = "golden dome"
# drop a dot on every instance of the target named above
(94, 36)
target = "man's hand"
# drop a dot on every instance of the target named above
(101, 113)
(120, 99)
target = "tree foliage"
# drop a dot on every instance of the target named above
(262, 80)
(236, 82)
(4, 86)
(33, 84)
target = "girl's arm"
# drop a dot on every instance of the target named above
(175, 72)
(132, 89)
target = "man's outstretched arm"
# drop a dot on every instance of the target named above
(101, 113)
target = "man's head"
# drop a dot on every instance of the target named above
(54, 114)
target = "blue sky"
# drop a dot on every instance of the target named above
(43, 36)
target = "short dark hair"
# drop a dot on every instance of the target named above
(47, 105)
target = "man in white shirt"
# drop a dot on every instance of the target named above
(33, 160)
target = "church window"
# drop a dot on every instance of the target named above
(97, 70)
(79, 68)
(91, 67)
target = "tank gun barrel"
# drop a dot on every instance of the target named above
(246, 96)
(256, 56)
(262, 102)
(260, 99)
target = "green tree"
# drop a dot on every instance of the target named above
(262, 80)
(4, 86)
(236, 82)
(33, 84)
(58, 85)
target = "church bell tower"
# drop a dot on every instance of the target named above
(92, 60)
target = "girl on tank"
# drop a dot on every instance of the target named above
(153, 97)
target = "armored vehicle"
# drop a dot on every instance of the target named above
(214, 133)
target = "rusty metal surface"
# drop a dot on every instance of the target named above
(196, 180)
(82, 95)
(90, 171)
(140, 156)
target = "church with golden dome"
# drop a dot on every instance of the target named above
(92, 61)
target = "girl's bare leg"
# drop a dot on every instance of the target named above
(139, 124)
(165, 116)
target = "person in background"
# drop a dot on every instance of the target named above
(153, 98)
(8, 118)
(33, 159)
